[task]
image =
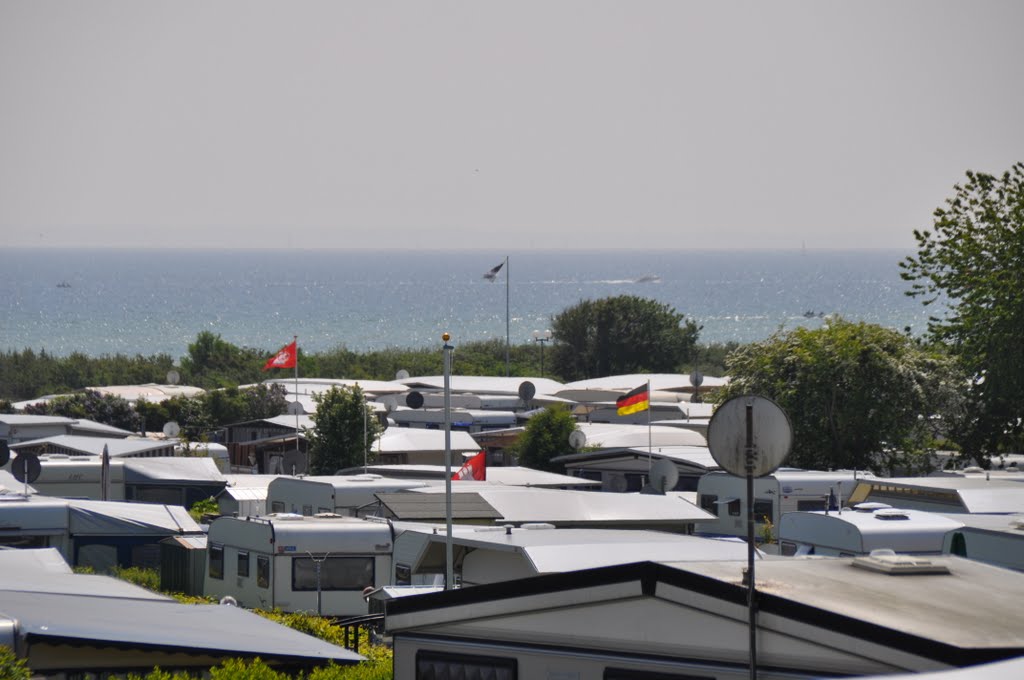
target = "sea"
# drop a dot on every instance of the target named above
(147, 302)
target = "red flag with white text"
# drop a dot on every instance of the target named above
(285, 357)
(475, 468)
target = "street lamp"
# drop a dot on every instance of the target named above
(542, 338)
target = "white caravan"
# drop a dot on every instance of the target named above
(278, 561)
(788, 490)
(993, 539)
(859, 531)
(347, 495)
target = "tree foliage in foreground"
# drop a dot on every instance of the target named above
(546, 436)
(620, 335)
(859, 396)
(91, 405)
(344, 431)
(974, 259)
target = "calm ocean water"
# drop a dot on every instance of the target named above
(148, 302)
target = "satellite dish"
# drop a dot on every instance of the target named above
(26, 468)
(696, 378)
(770, 430)
(664, 475)
(527, 390)
(390, 403)
(171, 428)
(173, 377)
(414, 399)
(295, 409)
(577, 439)
(5, 453)
(402, 374)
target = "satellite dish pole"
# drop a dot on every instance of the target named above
(449, 574)
(749, 436)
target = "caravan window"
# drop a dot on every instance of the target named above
(336, 573)
(216, 561)
(431, 665)
(763, 511)
(709, 503)
(263, 571)
(276, 506)
(243, 563)
(734, 507)
(811, 505)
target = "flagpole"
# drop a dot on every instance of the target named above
(508, 332)
(295, 339)
(650, 445)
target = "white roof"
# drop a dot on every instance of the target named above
(410, 439)
(20, 420)
(299, 534)
(150, 391)
(10, 485)
(304, 421)
(342, 483)
(552, 550)
(667, 382)
(530, 504)
(95, 517)
(93, 446)
(510, 475)
(482, 384)
(910, 531)
(83, 425)
(311, 386)
(625, 435)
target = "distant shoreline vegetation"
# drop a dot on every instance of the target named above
(212, 362)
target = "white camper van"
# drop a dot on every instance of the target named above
(276, 561)
(346, 495)
(863, 529)
(725, 496)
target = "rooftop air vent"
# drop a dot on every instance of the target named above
(889, 514)
(285, 516)
(888, 562)
(973, 469)
(870, 507)
(327, 515)
(534, 526)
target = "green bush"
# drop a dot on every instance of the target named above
(11, 667)
(146, 578)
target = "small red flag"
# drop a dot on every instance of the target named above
(285, 357)
(475, 468)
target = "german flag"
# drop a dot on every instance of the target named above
(634, 401)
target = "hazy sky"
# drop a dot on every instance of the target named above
(526, 124)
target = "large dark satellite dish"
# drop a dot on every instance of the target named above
(26, 468)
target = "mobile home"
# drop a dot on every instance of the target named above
(788, 490)
(993, 539)
(973, 495)
(858, 532)
(284, 561)
(349, 495)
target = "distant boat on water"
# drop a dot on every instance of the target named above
(648, 278)
(63, 284)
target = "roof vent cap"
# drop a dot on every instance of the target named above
(887, 561)
(891, 514)
(535, 526)
(870, 507)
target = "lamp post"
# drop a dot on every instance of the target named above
(542, 338)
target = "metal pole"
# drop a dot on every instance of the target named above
(296, 339)
(319, 591)
(751, 602)
(449, 574)
(508, 333)
(364, 436)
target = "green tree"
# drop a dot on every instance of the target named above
(546, 436)
(618, 335)
(91, 405)
(858, 395)
(337, 440)
(973, 262)
(214, 362)
(12, 667)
